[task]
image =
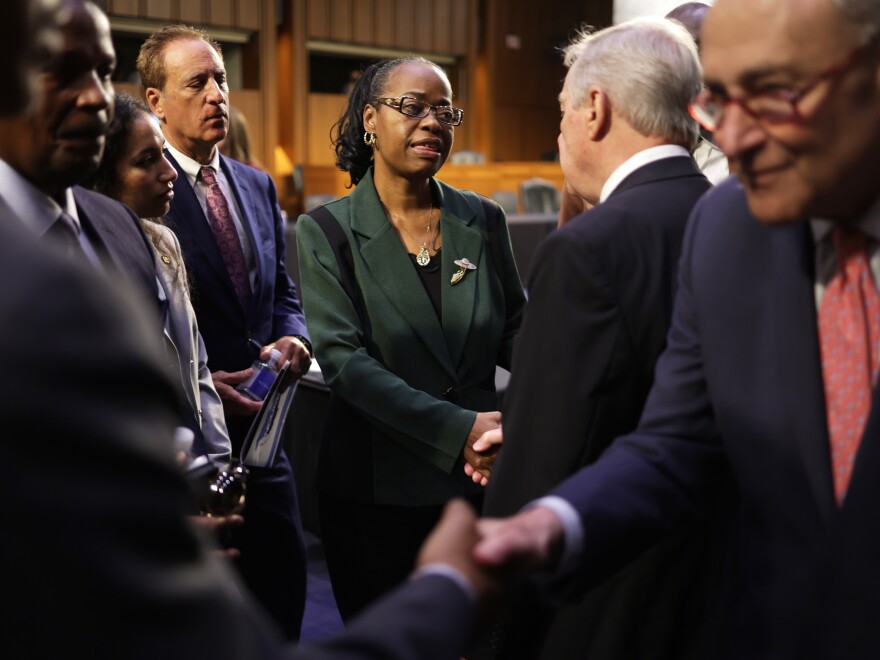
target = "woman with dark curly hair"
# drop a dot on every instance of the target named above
(412, 298)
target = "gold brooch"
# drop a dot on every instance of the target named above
(166, 259)
(463, 267)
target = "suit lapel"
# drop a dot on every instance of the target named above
(187, 219)
(392, 270)
(460, 240)
(111, 238)
(797, 345)
(100, 232)
(121, 245)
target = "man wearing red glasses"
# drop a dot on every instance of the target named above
(772, 356)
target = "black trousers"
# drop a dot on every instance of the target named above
(273, 552)
(370, 548)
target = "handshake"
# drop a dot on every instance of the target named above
(489, 551)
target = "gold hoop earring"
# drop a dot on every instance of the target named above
(370, 139)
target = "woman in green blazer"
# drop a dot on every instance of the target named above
(410, 355)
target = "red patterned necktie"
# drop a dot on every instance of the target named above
(849, 332)
(220, 219)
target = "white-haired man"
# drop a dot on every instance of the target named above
(600, 304)
(773, 350)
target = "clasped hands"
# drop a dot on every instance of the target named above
(487, 551)
(482, 447)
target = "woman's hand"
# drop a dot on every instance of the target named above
(488, 443)
(478, 464)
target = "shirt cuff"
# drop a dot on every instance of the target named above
(573, 531)
(448, 571)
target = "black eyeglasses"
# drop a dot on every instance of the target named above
(773, 106)
(407, 105)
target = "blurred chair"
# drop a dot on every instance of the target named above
(467, 157)
(313, 201)
(506, 199)
(539, 196)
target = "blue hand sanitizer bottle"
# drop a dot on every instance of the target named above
(257, 386)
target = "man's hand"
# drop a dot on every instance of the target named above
(233, 402)
(531, 540)
(292, 349)
(452, 543)
(482, 463)
(488, 444)
(219, 526)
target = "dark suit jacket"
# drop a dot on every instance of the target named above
(740, 383)
(600, 303)
(410, 452)
(117, 236)
(101, 557)
(274, 309)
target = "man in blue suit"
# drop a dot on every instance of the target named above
(227, 218)
(773, 351)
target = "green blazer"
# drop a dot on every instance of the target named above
(392, 437)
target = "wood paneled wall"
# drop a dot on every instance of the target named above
(524, 72)
(485, 179)
(510, 95)
(242, 14)
(428, 26)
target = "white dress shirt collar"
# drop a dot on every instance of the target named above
(869, 223)
(637, 161)
(34, 208)
(191, 167)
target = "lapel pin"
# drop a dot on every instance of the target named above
(463, 267)
(166, 259)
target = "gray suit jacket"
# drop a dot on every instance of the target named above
(184, 340)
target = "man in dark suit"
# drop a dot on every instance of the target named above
(772, 353)
(59, 141)
(227, 219)
(600, 303)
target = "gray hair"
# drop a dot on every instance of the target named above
(648, 68)
(864, 13)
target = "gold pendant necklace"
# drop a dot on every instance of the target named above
(423, 258)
